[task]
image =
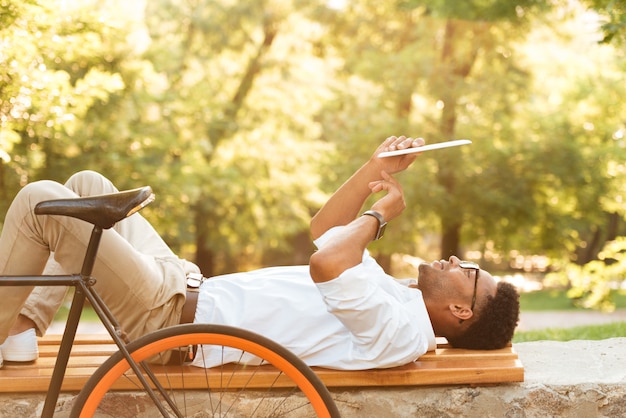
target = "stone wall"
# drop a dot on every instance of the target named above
(577, 379)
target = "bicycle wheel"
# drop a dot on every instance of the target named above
(282, 385)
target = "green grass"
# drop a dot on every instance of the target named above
(557, 300)
(87, 315)
(588, 332)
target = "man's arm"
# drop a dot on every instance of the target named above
(346, 248)
(344, 205)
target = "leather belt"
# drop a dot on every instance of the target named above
(194, 280)
(189, 308)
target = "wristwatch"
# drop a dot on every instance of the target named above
(381, 222)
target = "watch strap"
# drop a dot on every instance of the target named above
(381, 222)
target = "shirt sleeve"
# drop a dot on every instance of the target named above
(387, 320)
(327, 237)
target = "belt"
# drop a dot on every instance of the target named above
(189, 308)
(194, 280)
(186, 354)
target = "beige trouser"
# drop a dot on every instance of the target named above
(138, 276)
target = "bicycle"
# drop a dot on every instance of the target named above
(157, 363)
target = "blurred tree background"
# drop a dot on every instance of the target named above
(245, 115)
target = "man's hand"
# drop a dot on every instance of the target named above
(398, 163)
(346, 248)
(345, 204)
(392, 204)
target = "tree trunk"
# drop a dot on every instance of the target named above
(219, 130)
(457, 61)
(205, 257)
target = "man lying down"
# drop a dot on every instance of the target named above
(342, 311)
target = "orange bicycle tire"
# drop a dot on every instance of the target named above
(163, 341)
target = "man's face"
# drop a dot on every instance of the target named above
(446, 282)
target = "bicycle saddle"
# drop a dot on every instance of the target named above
(102, 210)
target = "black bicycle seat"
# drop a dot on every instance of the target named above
(101, 210)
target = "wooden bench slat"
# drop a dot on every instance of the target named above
(48, 362)
(107, 347)
(55, 339)
(80, 350)
(430, 373)
(17, 381)
(443, 366)
(451, 354)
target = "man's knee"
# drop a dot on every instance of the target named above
(90, 183)
(41, 190)
(33, 193)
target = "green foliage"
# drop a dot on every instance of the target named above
(592, 284)
(613, 19)
(243, 116)
(53, 72)
(244, 144)
(490, 10)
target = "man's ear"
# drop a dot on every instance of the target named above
(460, 311)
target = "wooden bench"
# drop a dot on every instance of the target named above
(444, 366)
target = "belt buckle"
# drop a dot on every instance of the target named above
(194, 280)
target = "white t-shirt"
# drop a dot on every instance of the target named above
(363, 319)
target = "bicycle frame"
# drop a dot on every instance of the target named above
(83, 285)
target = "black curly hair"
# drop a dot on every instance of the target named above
(496, 322)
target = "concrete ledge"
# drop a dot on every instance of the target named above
(570, 379)
(562, 379)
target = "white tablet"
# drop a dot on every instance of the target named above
(427, 147)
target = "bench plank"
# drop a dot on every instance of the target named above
(444, 366)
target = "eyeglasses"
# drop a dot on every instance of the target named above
(469, 265)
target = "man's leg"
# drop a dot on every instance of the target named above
(135, 229)
(44, 302)
(21, 253)
(142, 291)
(166, 270)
